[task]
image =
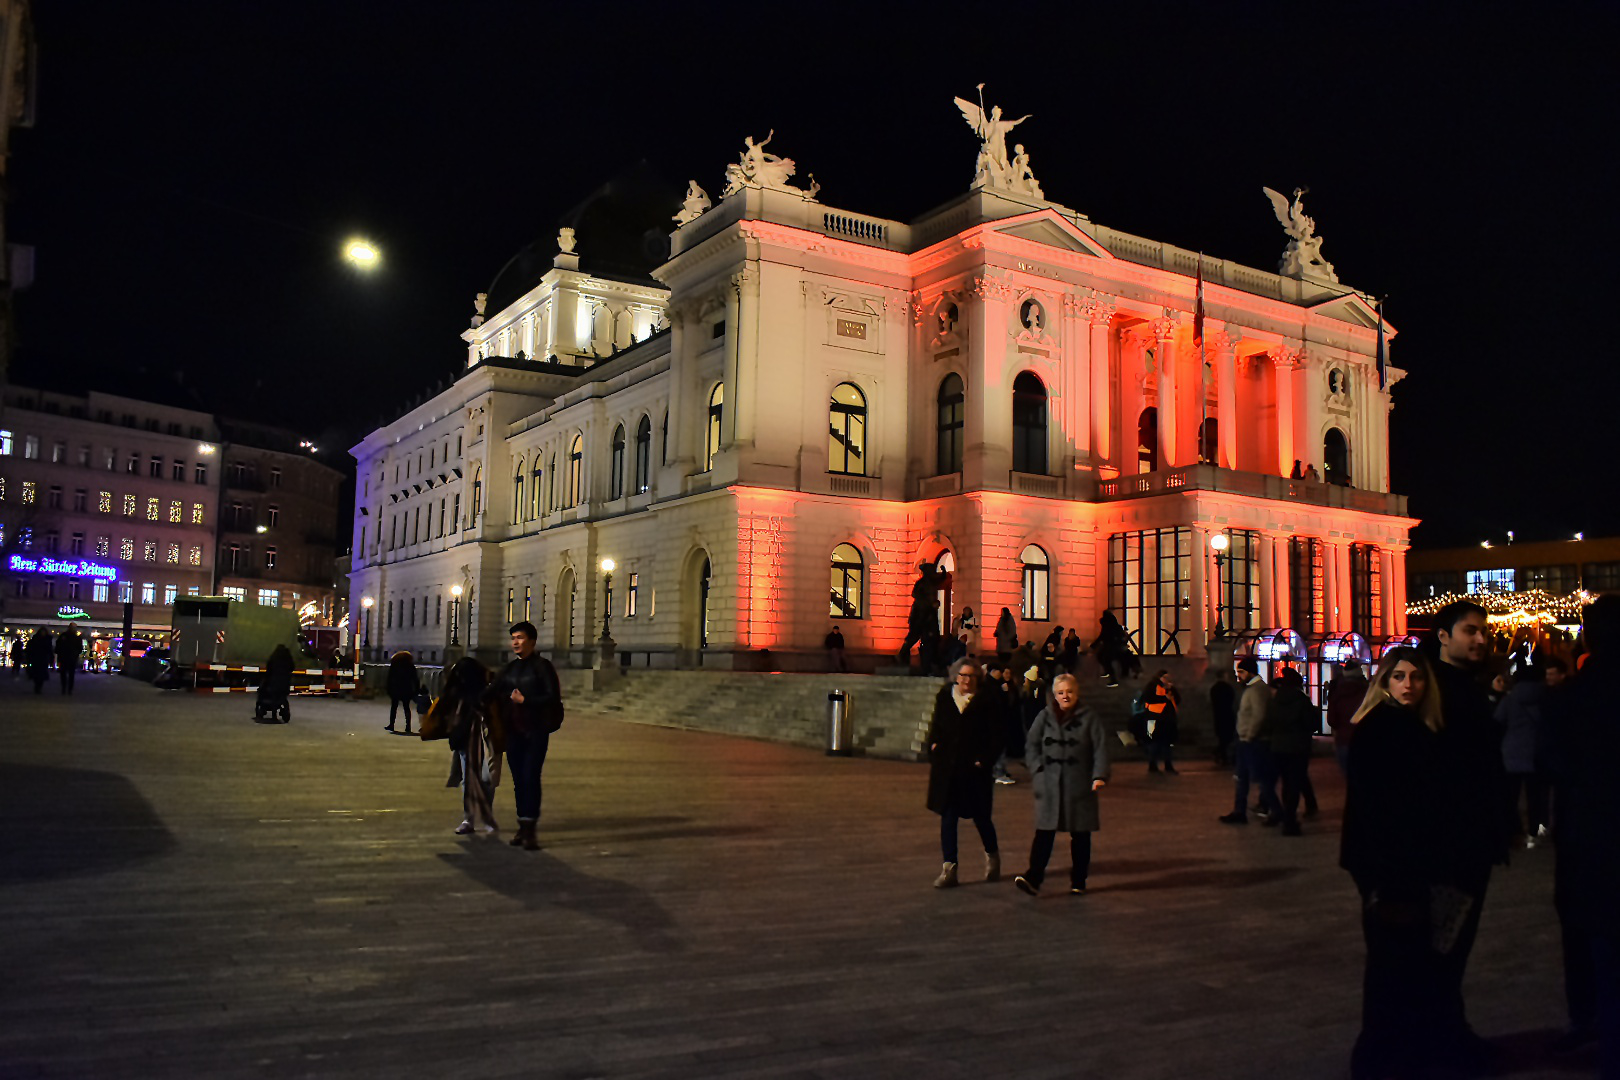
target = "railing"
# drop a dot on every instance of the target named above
(1258, 485)
(1036, 484)
(851, 485)
(933, 487)
(874, 230)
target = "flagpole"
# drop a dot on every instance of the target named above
(1203, 365)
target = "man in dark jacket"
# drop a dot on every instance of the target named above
(1294, 720)
(1478, 827)
(1344, 696)
(529, 698)
(69, 647)
(1585, 745)
(1223, 707)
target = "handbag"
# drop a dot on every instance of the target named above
(422, 701)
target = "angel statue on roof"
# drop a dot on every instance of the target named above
(756, 168)
(1303, 255)
(992, 169)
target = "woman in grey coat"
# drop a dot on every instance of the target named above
(1067, 756)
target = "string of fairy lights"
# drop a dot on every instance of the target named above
(1531, 607)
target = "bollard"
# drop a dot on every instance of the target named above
(840, 728)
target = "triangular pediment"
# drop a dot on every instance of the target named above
(1351, 308)
(1050, 230)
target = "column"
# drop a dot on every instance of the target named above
(1076, 372)
(1164, 359)
(987, 421)
(1268, 581)
(1333, 577)
(732, 365)
(1308, 399)
(1131, 346)
(1226, 399)
(745, 378)
(1284, 596)
(564, 336)
(1099, 312)
(1386, 590)
(1202, 622)
(1378, 436)
(1398, 576)
(1283, 366)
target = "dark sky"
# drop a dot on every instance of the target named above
(196, 167)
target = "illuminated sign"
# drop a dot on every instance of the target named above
(68, 611)
(69, 568)
(852, 328)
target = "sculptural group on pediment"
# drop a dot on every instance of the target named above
(993, 168)
(758, 168)
(1303, 255)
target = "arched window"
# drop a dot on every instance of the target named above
(1209, 434)
(616, 473)
(846, 431)
(717, 407)
(844, 602)
(477, 495)
(1336, 458)
(517, 494)
(551, 494)
(952, 407)
(1147, 440)
(576, 471)
(1029, 423)
(663, 436)
(535, 488)
(1037, 583)
(643, 455)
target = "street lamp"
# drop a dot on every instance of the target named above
(366, 602)
(1218, 544)
(607, 597)
(362, 254)
(455, 614)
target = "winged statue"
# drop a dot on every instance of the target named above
(757, 168)
(1303, 256)
(992, 167)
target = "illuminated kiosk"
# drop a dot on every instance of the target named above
(1274, 650)
(1325, 652)
(1389, 643)
(801, 404)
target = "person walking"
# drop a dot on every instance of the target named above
(403, 686)
(16, 657)
(1522, 717)
(1584, 746)
(1067, 754)
(834, 644)
(1112, 648)
(1006, 635)
(460, 715)
(37, 654)
(963, 744)
(526, 699)
(1392, 846)
(1253, 747)
(1223, 710)
(1478, 821)
(1294, 721)
(1156, 717)
(1344, 696)
(69, 648)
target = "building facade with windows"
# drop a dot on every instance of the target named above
(1555, 567)
(103, 500)
(813, 403)
(278, 515)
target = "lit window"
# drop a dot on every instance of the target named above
(272, 514)
(237, 593)
(169, 593)
(103, 546)
(616, 468)
(2, 489)
(31, 447)
(133, 466)
(5, 443)
(104, 502)
(99, 592)
(129, 506)
(148, 592)
(270, 558)
(151, 509)
(177, 513)
(1482, 581)
(126, 549)
(194, 556)
(58, 453)
(844, 600)
(1037, 578)
(126, 592)
(30, 492)
(511, 600)
(149, 551)
(196, 513)
(576, 471)
(717, 409)
(270, 597)
(846, 431)
(643, 455)
(630, 596)
(171, 554)
(193, 590)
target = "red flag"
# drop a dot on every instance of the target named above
(1198, 308)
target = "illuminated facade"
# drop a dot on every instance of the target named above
(817, 401)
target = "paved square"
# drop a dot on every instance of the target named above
(186, 893)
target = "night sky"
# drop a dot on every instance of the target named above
(196, 167)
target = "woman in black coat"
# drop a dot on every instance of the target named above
(1391, 848)
(402, 687)
(964, 741)
(38, 657)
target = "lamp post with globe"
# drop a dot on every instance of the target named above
(366, 602)
(606, 643)
(1218, 544)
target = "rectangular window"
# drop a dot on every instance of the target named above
(171, 554)
(1482, 581)
(129, 506)
(104, 502)
(200, 474)
(154, 468)
(275, 477)
(169, 593)
(233, 557)
(50, 590)
(527, 602)
(193, 590)
(52, 542)
(235, 592)
(269, 597)
(1305, 585)
(126, 549)
(194, 555)
(133, 465)
(1237, 598)
(73, 590)
(30, 492)
(388, 623)
(58, 453)
(31, 447)
(5, 443)
(630, 596)
(441, 517)
(152, 512)
(84, 457)
(110, 460)
(177, 471)
(177, 513)
(413, 612)
(270, 558)
(196, 513)
(1367, 591)
(103, 546)
(148, 592)
(511, 596)
(1149, 579)
(76, 544)
(53, 497)
(272, 515)
(99, 592)
(81, 500)
(438, 610)
(149, 551)
(455, 518)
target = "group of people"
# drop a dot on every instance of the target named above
(1430, 812)
(36, 655)
(1270, 727)
(486, 717)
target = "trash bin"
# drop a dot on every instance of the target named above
(840, 728)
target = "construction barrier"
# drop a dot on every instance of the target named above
(331, 679)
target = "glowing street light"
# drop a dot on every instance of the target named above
(366, 602)
(1218, 544)
(455, 614)
(362, 254)
(607, 601)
